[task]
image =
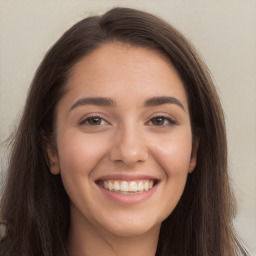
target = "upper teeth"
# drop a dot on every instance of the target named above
(127, 186)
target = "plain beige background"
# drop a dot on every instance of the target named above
(224, 32)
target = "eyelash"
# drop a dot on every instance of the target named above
(86, 121)
(170, 121)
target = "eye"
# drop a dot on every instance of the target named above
(161, 121)
(94, 121)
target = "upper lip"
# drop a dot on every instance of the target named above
(127, 177)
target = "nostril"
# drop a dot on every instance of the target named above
(129, 153)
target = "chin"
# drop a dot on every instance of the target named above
(131, 227)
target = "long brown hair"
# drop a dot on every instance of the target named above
(35, 204)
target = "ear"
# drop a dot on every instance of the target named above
(193, 158)
(53, 159)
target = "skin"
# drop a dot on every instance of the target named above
(129, 141)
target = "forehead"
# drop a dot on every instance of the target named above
(114, 68)
(116, 53)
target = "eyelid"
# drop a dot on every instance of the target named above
(171, 120)
(92, 115)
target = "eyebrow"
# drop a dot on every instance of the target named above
(163, 100)
(108, 102)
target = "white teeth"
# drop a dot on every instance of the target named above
(151, 184)
(140, 186)
(133, 186)
(124, 186)
(146, 186)
(127, 186)
(116, 186)
(110, 186)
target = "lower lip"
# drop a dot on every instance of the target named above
(128, 198)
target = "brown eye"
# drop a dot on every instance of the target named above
(94, 121)
(158, 121)
(161, 121)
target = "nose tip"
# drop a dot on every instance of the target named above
(129, 149)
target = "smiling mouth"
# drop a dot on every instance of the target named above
(127, 187)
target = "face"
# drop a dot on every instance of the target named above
(124, 141)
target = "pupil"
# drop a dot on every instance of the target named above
(94, 120)
(158, 120)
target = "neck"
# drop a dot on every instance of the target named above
(86, 239)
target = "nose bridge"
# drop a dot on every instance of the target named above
(129, 145)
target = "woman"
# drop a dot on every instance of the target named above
(121, 148)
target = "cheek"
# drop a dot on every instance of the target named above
(174, 153)
(80, 152)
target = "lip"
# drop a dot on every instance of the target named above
(126, 177)
(127, 198)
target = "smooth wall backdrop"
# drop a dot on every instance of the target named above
(224, 32)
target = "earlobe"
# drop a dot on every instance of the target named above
(53, 160)
(193, 159)
(54, 169)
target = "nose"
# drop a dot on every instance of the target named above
(129, 147)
